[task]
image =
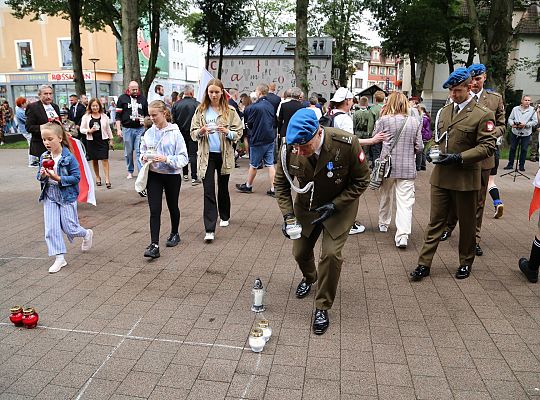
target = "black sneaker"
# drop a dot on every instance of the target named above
(143, 193)
(244, 188)
(173, 240)
(271, 193)
(152, 251)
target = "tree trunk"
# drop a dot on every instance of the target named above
(220, 62)
(448, 52)
(423, 69)
(301, 55)
(75, 46)
(130, 52)
(499, 36)
(412, 58)
(472, 52)
(207, 61)
(476, 35)
(155, 21)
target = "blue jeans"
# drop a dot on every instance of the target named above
(261, 154)
(515, 139)
(132, 141)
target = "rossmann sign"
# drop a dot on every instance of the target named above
(68, 76)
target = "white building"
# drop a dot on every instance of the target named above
(359, 80)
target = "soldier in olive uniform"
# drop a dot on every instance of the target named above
(332, 163)
(465, 136)
(494, 102)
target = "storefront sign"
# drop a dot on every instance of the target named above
(68, 76)
(29, 77)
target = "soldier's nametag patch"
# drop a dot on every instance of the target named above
(361, 156)
(490, 126)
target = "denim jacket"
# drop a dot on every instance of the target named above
(70, 175)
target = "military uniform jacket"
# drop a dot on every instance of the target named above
(494, 102)
(349, 179)
(470, 133)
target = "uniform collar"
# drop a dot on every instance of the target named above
(318, 151)
(478, 95)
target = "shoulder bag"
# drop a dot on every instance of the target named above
(383, 166)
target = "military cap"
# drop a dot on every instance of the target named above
(63, 111)
(477, 69)
(459, 75)
(302, 127)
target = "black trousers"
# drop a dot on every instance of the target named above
(192, 148)
(157, 183)
(210, 211)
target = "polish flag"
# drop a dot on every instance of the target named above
(86, 184)
(203, 83)
(535, 201)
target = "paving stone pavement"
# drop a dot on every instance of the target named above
(115, 325)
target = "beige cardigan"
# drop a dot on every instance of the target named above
(106, 132)
(234, 124)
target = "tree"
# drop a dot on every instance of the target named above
(270, 17)
(130, 51)
(492, 32)
(301, 55)
(342, 20)
(70, 10)
(220, 22)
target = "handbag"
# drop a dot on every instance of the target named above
(142, 178)
(383, 166)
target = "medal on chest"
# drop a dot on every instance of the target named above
(330, 167)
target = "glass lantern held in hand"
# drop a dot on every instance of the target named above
(212, 127)
(150, 153)
(434, 153)
(293, 228)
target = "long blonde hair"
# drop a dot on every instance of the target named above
(59, 131)
(396, 103)
(223, 104)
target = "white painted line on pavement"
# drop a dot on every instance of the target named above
(25, 258)
(89, 381)
(251, 378)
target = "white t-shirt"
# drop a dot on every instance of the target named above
(343, 121)
(317, 112)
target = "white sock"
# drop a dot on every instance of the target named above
(87, 236)
(59, 257)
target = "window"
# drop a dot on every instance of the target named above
(376, 55)
(65, 53)
(382, 70)
(361, 66)
(358, 83)
(182, 66)
(24, 53)
(373, 70)
(181, 47)
(391, 71)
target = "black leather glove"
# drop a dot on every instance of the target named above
(284, 226)
(449, 159)
(325, 211)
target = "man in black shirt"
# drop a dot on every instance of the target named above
(131, 108)
(182, 114)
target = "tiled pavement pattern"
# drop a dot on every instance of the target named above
(175, 328)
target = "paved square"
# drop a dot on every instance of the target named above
(115, 325)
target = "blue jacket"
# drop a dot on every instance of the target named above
(261, 123)
(70, 175)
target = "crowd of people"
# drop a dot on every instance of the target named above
(328, 153)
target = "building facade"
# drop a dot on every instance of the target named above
(360, 77)
(382, 71)
(33, 53)
(271, 59)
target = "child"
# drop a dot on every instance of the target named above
(59, 191)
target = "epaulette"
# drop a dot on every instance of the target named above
(342, 138)
(492, 92)
(484, 108)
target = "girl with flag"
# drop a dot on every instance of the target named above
(530, 267)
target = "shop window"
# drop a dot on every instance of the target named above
(382, 70)
(24, 54)
(391, 71)
(65, 53)
(373, 70)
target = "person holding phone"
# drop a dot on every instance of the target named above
(522, 120)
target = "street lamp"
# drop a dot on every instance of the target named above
(94, 61)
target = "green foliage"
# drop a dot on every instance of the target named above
(270, 17)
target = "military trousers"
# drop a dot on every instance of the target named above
(452, 215)
(442, 201)
(330, 262)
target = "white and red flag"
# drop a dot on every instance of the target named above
(86, 184)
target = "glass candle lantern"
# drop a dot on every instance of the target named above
(266, 330)
(256, 340)
(257, 295)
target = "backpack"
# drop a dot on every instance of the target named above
(327, 120)
(361, 122)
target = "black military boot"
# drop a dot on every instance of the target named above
(303, 289)
(419, 273)
(320, 321)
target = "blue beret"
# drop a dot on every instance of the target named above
(477, 69)
(459, 75)
(302, 126)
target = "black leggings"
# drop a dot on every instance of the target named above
(210, 212)
(155, 186)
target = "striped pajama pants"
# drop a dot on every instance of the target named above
(59, 217)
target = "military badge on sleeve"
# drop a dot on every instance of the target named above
(490, 126)
(361, 156)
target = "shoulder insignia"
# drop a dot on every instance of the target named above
(343, 139)
(490, 91)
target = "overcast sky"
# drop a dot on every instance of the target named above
(372, 38)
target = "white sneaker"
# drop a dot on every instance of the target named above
(224, 223)
(87, 240)
(57, 266)
(402, 243)
(357, 228)
(129, 175)
(209, 237)
(383, 228)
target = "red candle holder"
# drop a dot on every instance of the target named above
(16, 315)
(30, 318)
